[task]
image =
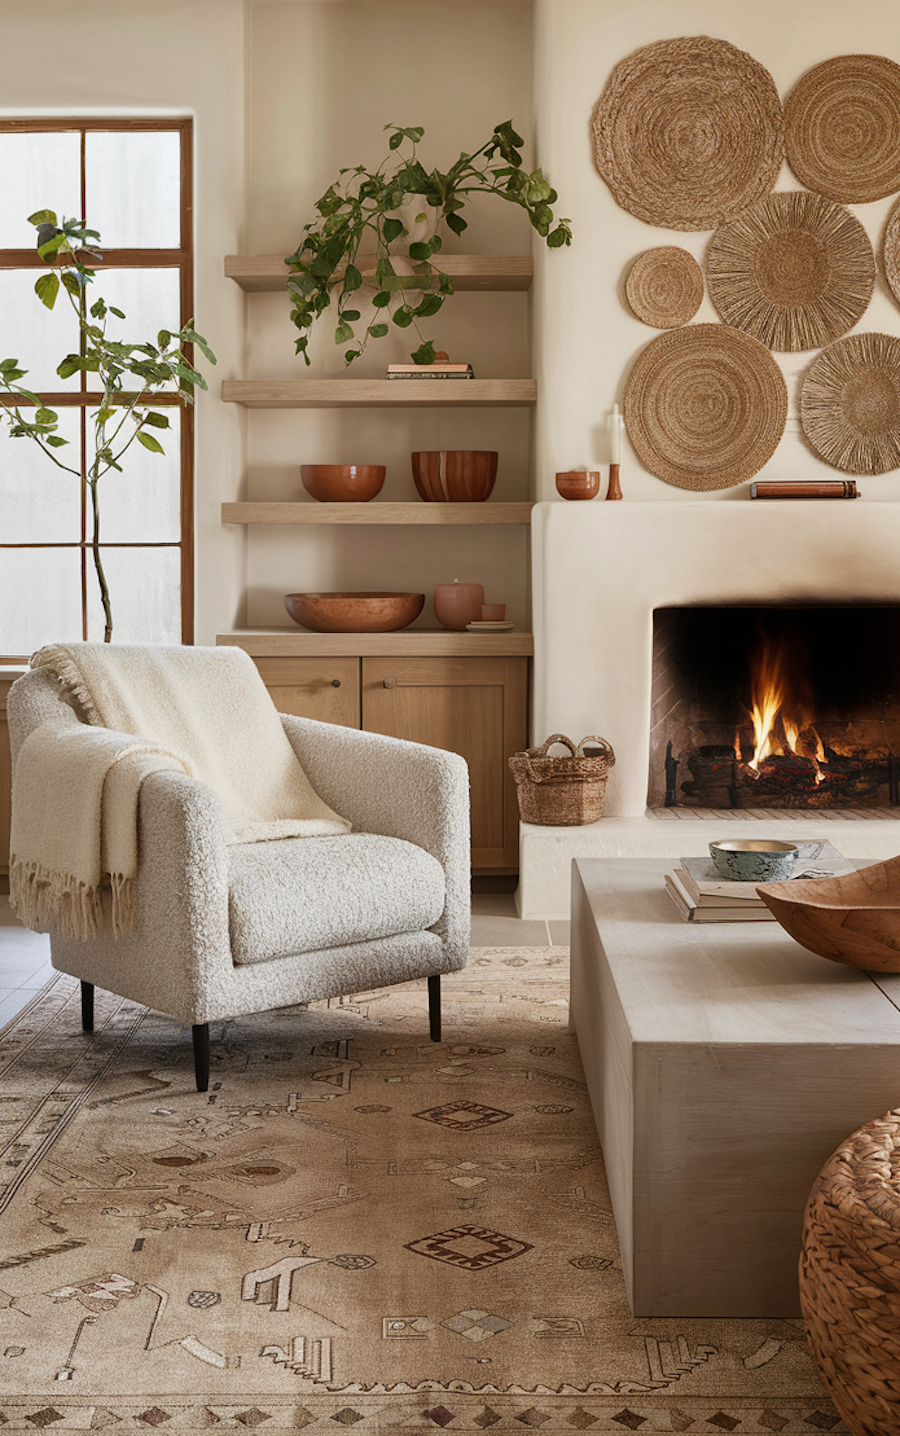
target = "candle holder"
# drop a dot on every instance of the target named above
(613, 490)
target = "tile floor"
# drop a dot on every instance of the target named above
(25, 956)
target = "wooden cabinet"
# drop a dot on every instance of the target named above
(323, 688)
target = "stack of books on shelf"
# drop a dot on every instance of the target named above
(701, 894)
(804, 489)
(441, 369)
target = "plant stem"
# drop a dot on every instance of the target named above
(98, 565)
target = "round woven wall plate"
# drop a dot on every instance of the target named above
(664, 287)
(705, 407)
(843, 128)
(891, 251)
(794, 270)
(688, 132)
(850, 404)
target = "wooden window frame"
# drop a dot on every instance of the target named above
(180, 259)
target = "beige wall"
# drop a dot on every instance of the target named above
(586, 338)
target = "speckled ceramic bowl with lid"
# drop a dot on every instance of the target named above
(754, 860)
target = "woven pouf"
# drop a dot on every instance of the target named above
(850, 1277)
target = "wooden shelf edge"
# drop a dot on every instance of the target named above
(408, 642)
(268, 273)
(376, 513)
(336, 393)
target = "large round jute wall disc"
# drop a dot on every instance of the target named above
(688, 132)
(664, 286)
(850, 404)
(705, 406)
(794, 270)
(843, 128)
(891, 251)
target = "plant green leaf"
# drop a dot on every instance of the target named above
(8, 364)
(381, 299)
(377, 331)
(150, 443)
(46, 288)
(350, 315)
(352, 278)
(45, 416)
(342, 333)
(42, 216)
(117, 312)
(428, 305)
(420, 251)
(55, 441)
(158, 421)
(391, 230)
(403, 316)
(456, 223)
(424, 354)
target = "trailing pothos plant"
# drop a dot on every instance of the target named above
(357, 215)
(126, 412)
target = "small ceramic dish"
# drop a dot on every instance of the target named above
(754, 860)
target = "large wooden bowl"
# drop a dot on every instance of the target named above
(354, 612)
(454, 476)
(342, 483)
(853, 919)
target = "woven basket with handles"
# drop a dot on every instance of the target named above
(566, 791)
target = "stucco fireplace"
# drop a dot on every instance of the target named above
(601, 572)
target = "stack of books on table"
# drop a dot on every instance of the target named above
(439, 370)
(701, 894)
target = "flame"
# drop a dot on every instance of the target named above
(779, 707)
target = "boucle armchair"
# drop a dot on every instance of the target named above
(224, 930)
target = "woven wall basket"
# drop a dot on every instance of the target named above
(664, 287)
(705, 406)
(688, 132)
(794, 270)
(850, 404)
(850, 1277)
(843, 128)
(891, 251)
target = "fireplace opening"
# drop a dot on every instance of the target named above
(775, 707)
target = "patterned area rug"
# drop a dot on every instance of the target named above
(354, 1228)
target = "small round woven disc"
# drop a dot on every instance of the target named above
(664, 287)
(794, 270)
(688, 132)
(843, 128)
(850, 404)
(705, 406)
(891, 251)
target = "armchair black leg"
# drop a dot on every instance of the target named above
(434, 1007)
(87, 1006)
(201, 1055)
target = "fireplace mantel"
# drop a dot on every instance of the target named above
(599, 571)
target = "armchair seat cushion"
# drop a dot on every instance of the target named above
(299, 895)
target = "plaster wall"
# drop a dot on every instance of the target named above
(325, 77)
(183, 57)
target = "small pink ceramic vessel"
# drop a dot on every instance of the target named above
(456, 604)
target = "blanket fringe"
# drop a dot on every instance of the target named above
(67, 671)
(48, 901)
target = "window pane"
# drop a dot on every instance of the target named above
(143, 503)
(40, 338)
(40, 503)
(40, 171)
(40, 598)
(150, 299)
(133, 182)
(145, 591)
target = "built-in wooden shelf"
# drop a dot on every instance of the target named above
(258, 273)
(407, 642)
(377, 393)
(269, 512)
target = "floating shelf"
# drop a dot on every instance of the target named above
(407, 642)
(258, 273)
(377, 393)
(375, 513)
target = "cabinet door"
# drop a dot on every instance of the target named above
(474, 706)
(323, 688)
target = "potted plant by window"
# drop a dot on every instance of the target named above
(128, 376)
(365, 212)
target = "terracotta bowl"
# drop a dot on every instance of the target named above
(454, 476)
(354, 612)
(853, 919)
(342, 483)
(578, 483)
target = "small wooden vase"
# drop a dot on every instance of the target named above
(578, 484)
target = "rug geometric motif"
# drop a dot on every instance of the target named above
(470, 1247)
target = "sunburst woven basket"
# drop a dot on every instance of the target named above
(688, 132)
(891, 251)
(842, 128)
(567, 791)
(850, 1277)
(850, 404)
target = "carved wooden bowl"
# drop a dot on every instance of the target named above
(354, 612)
(454, 476)
(853, 919)
(342, 483)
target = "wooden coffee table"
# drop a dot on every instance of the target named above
(725, 1063)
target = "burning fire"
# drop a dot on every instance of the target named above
(780, 708)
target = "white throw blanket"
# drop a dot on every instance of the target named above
(202, 711)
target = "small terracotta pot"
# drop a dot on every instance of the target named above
(493, 612)
(456, 604)
(578, 484)
(454, 476)
(342, 483)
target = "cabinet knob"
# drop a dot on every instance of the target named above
(335, 683)
(390, 682)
